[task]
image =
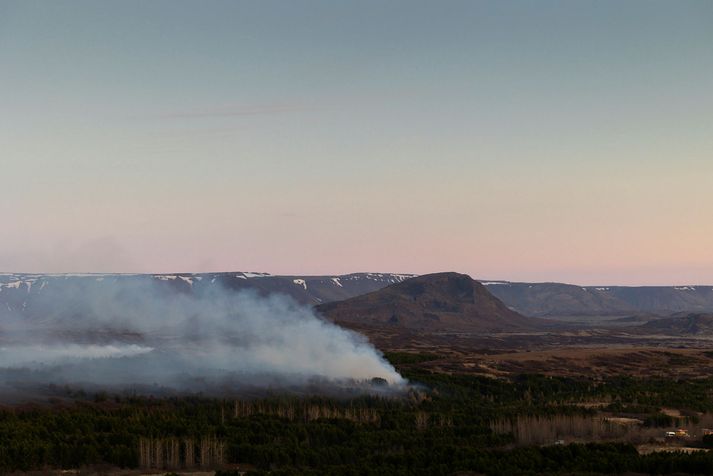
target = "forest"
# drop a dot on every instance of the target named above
(528, 424)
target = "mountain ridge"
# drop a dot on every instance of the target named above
(558, 299)
(530, 299)
(18, 292)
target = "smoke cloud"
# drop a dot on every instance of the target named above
(145, 338)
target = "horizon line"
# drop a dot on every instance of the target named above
(412, 275)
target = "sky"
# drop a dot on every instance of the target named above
(565, 141)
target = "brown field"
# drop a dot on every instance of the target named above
(597, 352)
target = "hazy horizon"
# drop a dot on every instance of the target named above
(312, 275)
(562, 141)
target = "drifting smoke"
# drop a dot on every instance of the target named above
(142, 337)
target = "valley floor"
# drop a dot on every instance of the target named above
(558, 352)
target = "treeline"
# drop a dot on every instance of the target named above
(307, 410)
(542, 430)
(181, 453)
(450, 423)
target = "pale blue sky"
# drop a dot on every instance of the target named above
(568, 140)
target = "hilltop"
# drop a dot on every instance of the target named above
(442, 302)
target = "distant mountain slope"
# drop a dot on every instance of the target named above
(23, 292)
(555, 299)
(432, 303)
(18, 292)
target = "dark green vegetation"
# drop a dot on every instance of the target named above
(443, 428)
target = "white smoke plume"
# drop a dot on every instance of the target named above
(142, 337)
